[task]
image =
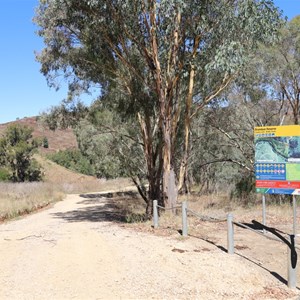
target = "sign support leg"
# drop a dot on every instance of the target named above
(292, 263)
(264, 212)
(294, 216)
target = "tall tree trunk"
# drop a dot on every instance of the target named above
(154, 167)
(165, 111)
(169, 179)
(183, 175)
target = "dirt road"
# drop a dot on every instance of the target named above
(74, 251)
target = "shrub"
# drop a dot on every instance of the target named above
(16, 150)
(72, 159)
(4, 174)
(244, 190)
(45, 142)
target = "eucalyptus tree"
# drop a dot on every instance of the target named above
(280, 67)
(167, 59)
(226, 163)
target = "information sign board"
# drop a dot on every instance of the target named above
(277, 159)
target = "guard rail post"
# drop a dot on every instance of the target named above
(230, 239)
(155, 214)
(184, 219)
(292, 263)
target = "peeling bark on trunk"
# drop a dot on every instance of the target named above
(169, 179)
(154, 168)
(165, 111)
(183, 176)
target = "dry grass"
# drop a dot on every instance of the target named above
(18, 199)
(22, 198)
(217, 206)
(75, 183)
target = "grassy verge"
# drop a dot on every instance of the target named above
(22, 198)
(18, 199)
(213, 205)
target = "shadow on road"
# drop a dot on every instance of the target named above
(210, 242)
(110, 194)
(104, 213)
(96, 209)
(99, 207)
(276, 275)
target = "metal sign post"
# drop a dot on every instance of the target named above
(277, 171)
(264, 212)
(294, 216)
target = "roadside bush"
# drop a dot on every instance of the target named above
(72, 159)
(4, 174)
(244, 191)
(45, 142)
(16, 155)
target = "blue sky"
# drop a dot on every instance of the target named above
(23, 89)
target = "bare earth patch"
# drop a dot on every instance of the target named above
(80, 249)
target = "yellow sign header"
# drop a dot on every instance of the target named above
(268, 131)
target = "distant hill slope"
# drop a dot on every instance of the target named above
(57, 140)
(57, 174)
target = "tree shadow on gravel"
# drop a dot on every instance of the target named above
(102, 208)
(97, 195)
(276, 275)
(210, 242)
(109, 195)
(92, 201)
(108, 212)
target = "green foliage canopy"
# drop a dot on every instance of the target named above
(277, 68)
(111, 42)
(16, 150)
(74, 160)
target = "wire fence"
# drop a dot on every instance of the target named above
(207, 218)
(170, 208)
(278, 236)
(257, 232)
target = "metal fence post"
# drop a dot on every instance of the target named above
(230, 239)
(292, 264)
(155, 214)
(184, 219)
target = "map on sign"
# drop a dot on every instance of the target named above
(277, 159)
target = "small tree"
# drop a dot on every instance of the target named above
(16, 150)
(45, 142)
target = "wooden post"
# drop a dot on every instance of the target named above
(230, 239)
(155, 214)
(184, 219)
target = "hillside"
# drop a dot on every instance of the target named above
(60, 140)
(57, 140)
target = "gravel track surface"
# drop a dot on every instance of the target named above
(72, 251)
